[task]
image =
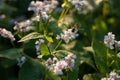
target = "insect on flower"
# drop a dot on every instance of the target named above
(75, 27)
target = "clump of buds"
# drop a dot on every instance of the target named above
(6, 34)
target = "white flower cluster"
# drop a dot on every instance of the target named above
(79, 4)
(41, 8)
(37, 45)
(57, 66)
(7, 34)
(112, 76)
(68, 35)
(109, 40)
(23, 26)
(21, 60)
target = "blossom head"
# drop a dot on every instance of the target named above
(109, 40)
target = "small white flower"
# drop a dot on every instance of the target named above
(70, 59)
(55, 59)
(112, 76)
(58, 37)
(68, 35)
(6, 34)
(23, 26)
(79, 4)
(107, 79)
(36, 6)
(61, 64)
(109, 40)
(72, 63)
(37, 18)
(44, 16)
(21, 60)
(117, 43)
(49, 61)
(37, 45)
(70, 56)
(57, 71)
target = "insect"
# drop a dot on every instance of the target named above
(75, 27)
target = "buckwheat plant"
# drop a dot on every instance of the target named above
(42, 35)
(47, 45)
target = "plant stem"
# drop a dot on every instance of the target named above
(64, 12)
(107, 57)
(12, 44)
(67, 75)
(57, 45)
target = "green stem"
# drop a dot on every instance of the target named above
(19, 36)
(58, 45)
(67, 75)
(12, 44)
(64, 12)
(107, 57)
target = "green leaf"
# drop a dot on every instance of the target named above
(54, 27)
(33, 35)
(61, 53)
(114, 60)
(89, 48)
(88, 61)
(44, 50)
(32, 70)
(6, 63)
(49, 39)
(11, 53)
(100, 56)
(118, 62)
(41, 27)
